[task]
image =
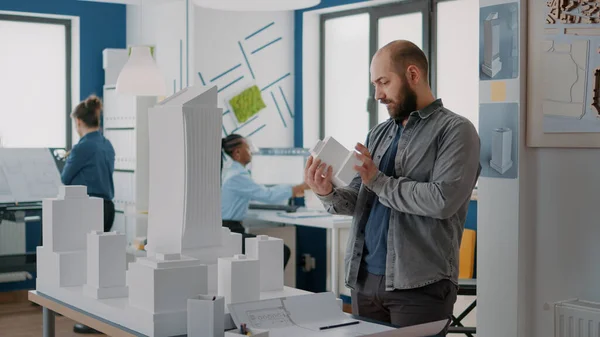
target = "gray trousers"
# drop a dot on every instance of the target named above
(430, 303)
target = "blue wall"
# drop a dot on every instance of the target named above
(101, 25)
(298, 24)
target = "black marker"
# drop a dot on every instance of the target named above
(338, 325)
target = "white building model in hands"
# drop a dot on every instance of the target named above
(342, 161)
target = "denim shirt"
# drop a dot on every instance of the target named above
(437, 165)
(91, 163)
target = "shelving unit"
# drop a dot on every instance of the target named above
(125, 124)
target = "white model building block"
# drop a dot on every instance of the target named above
(239, 279)
(160, 285)
(231, 242)
(213, 278)
(106, 258)
(186, 209)
(491, 46)
(62, 269)
(269, 252)
(68, 218)
(205, 316)
(501, 150)
(342, 161)
(72, 192)
(345, 174)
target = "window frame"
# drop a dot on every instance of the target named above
(427, 7)
(68, 54)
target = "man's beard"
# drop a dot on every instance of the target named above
(408, 104)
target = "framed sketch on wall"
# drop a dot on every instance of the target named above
(563, 86)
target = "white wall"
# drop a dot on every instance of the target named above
(219, 35)
(214, 39)
(538, 235)
(163, 25)
(567, 231)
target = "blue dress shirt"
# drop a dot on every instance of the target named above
(91, 163)
(239, 189)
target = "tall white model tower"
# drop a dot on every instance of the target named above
(185, 190)
(491, 45)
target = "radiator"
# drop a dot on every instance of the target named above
(576, 318)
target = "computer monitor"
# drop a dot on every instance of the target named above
(274, 166)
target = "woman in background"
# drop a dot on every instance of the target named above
(91, 162)
(238, 189)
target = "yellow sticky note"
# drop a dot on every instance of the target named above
(498, 91)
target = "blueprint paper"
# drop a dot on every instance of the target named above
(300, 316)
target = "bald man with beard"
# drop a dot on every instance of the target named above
(409, 199)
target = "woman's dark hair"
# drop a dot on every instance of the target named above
(228, 144)
(88, 111)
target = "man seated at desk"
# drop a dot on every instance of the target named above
(238, 189)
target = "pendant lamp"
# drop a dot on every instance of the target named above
(257, 5)
(141, 76)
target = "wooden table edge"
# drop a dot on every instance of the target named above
(77, 316)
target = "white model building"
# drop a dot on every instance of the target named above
(185, 234)
(184, 205)
(491, 46)
(239, 279)
(67, 219)
(501, 150)
(267, 251)
(342, 161)
(185, 190)
(205, 316)
(106, 265)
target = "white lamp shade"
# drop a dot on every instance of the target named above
(257, 5)
(141, 76)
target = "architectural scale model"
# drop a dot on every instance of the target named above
(106, 265)
(61, 261)
(342, 161)
(266, 250)
(186, 241)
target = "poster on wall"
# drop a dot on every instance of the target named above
(498, 132)
(571, 66)
(564, 74)
(499, 42)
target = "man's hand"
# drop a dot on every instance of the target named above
(367, 170)
(318, 176)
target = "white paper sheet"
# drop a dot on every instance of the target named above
(27, 175)
(301, 316)
(316, 311)
(303, 215)
(421, 330)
